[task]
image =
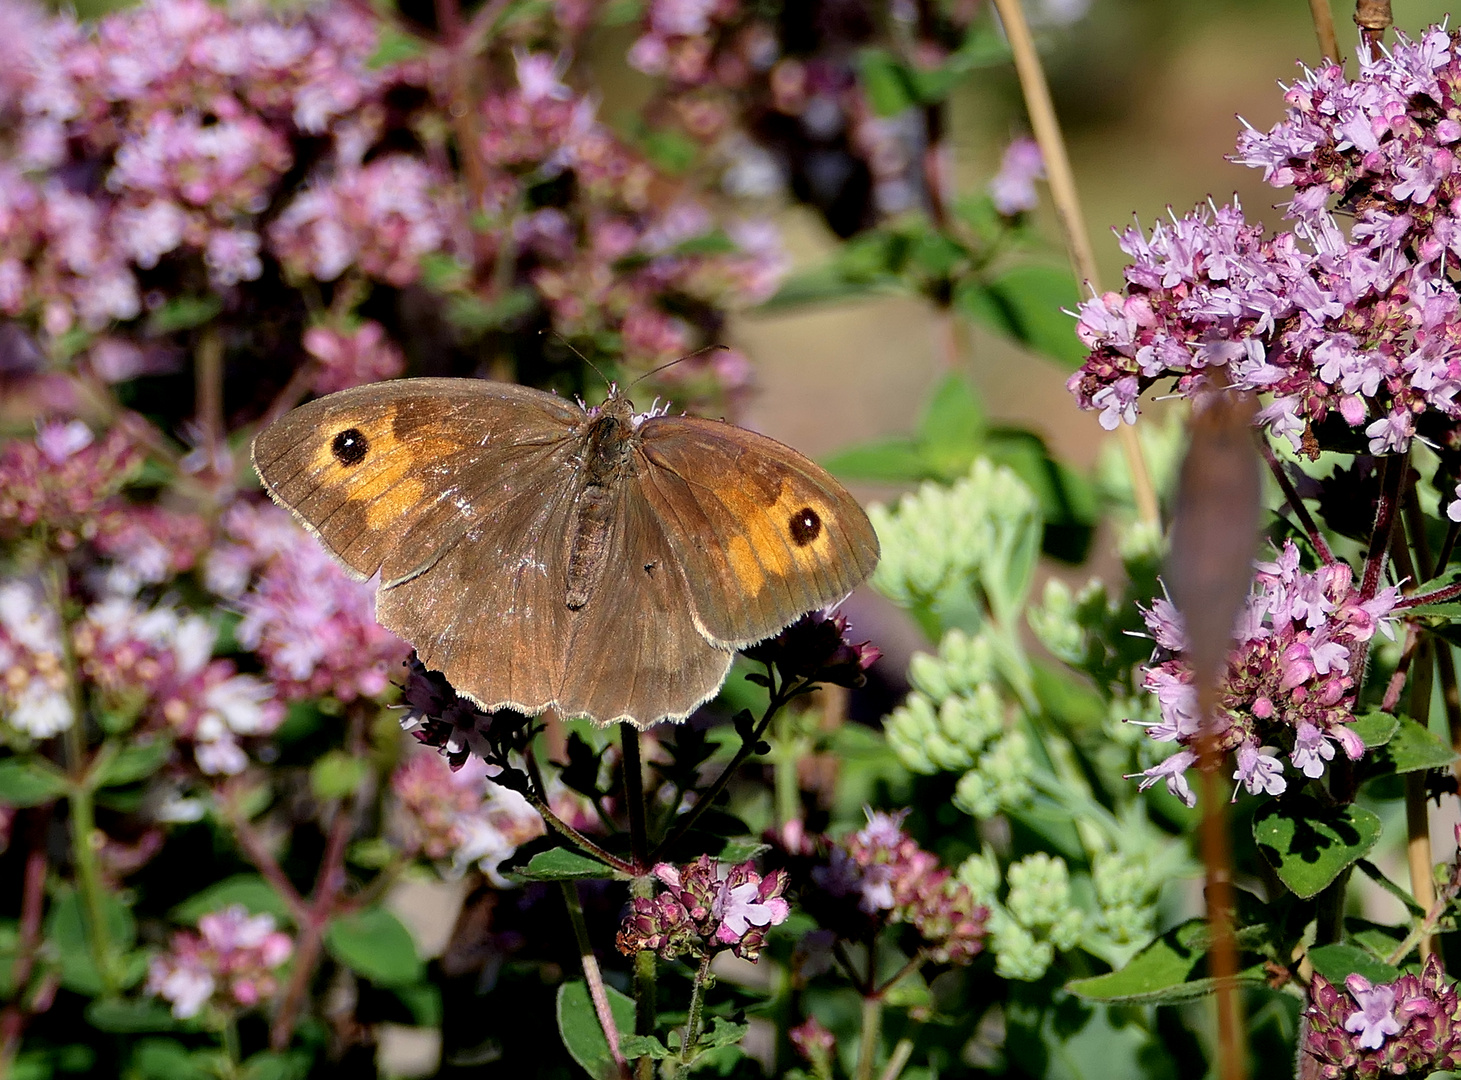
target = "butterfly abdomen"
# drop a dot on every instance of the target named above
(605, 456)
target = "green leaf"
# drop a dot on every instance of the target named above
(29, 782)
(1309, 845)
(474, 315)
(563, 864)
(164, 1059)
(373, 943)
(250, 890)
(66, 929)
(1414, 748)
(885, 81)
(424, 1003)
(183, 313)
(1158, 975)
(134, 762)
(824, 285)
(578, 1024)
(723, 1033)
(740, 848)
(268, 1065)
(1334, 962)
(952, 428)
(393, 46)
(896, 460)
(711, 243)
(126, 1016)
(1025, 303)
(640, 1046)
(1375, 728)
(337, 774)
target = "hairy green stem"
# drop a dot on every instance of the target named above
(691, 1039)
(646, 990)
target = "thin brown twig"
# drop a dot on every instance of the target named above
(1324, 29)
(1373, 17)
(633, 765)
(1066, 200)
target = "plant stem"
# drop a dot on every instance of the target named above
(1324, 29)
(691, 1038)
(1373, 18)
(1450, 697)
(1292, 497)
(646, 991)
(1418, 850)
(1427, 925)
(1068, 212)
(80, 793)
(1223, 952)
(593, 976)
(633, 765)
(899, 1060)
(867, 1045)
(258, 854)
(534, 795)
(322, 905)
(779, 697)
(35, 824)
(208, 392)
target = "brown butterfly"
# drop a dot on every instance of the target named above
(540, 554)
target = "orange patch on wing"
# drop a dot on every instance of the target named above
(745, 565)
(392, 505)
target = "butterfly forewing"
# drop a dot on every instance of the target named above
(388, 475)
(764, 534)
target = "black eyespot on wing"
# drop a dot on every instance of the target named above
(805, 526)
(350, 446)
(651, 567)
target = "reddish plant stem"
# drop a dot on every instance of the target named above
(1295, 501)
(1217, 857)
(536, 794)
(32, 907)
(593, 977)
(322, 906)
(1392, 478)
(258, 854)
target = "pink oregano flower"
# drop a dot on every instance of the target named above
(1289, 688)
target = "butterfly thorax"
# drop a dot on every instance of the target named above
(607, 443)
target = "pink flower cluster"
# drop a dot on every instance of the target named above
(1364, 327)
(1404, 1028)
(351, 357)
(459, 815)
(893, 879)
(64, 478)
(705, 908)
(190, 113)
(231, 963)
(35, 694)
(160, 663)
(312, 625)
(1289, 687)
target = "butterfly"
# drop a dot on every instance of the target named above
(541, 554)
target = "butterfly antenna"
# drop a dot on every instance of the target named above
(569, 346)
(672, 363)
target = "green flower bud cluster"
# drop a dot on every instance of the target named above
(1037, 917)
(1000, 777)
(1127, 897)
(956, 720)
(984, 527)
(948, 737)
(1057, 622)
